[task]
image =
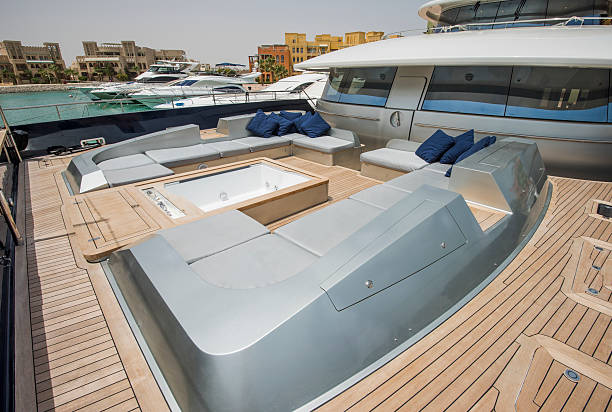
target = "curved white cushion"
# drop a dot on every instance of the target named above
(394, 159)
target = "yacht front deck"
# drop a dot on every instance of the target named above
(512, 342)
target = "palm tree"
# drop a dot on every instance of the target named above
(8, 74)
(267, 65)
(280, 72)
(46, 74)
(57, 71)
(70, 73)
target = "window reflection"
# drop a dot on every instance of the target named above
(367, 86)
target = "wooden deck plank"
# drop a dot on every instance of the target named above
(446, 368)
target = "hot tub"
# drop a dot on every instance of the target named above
(229, 187)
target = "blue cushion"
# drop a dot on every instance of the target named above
(284, 126)
(256, 121)
(462, 143)
(315, 126)
(432, 149)
(300, 121)
(268, 128)
(291, 116)
(479, 145)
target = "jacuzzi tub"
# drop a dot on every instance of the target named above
(226, 188)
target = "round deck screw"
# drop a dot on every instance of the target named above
(369, 284)
(592, 291)
(572, 375)
(443, 245)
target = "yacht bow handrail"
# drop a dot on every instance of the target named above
(560, 21)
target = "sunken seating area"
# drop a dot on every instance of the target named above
(181, 149)
(227, 306)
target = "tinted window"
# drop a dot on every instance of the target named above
(448, 17)
(562, 8)
(508, 11)
(332, 88)
(533, 9)
(466, 14)
(486, 12)
(559, 93)
(367, 86)
(464, 89)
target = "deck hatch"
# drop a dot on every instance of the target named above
(416, 240)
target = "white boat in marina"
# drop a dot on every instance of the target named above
(160, 73)
(311, 84)
(194, 86)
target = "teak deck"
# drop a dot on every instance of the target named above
(510, 344)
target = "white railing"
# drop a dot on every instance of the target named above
(67, 109)
(557, 21)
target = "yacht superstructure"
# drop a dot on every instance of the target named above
(547, 83)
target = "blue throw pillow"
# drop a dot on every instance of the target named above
(256, 122)
(268, 128)
(300, 121)
(479, 145)
(284, 126)
(291, 116)
(432, 149)
(462, 143)
(315, 126)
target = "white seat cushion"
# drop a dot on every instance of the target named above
(125, 162)
(230, 148)
(118, 177)
(263, 143)
(325, 144)
(213, 234)
(394, 159)
(412, 181)
(380, 196)
(178, 156)
(260, 262)
(320, 231)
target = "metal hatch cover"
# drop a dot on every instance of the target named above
(418, 239)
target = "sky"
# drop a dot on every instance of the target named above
(209, 31)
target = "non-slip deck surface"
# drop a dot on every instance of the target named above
(510, 346)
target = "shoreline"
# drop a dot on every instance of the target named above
(28, 88)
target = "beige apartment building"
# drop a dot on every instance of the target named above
(302, 49)
(125, 57)
(20, 59)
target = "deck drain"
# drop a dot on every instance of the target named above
(596, 267)
(593, 291)
(572, 375)
(599, 248)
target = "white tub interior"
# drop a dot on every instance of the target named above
(226, 188)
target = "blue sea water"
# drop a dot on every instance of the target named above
(47, 114)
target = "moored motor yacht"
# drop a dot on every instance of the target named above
(311, 84)
(194, 86)
(159, 73)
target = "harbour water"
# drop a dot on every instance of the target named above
(89, 107)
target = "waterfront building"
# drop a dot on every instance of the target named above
(280, 52)
(301, 49)
(125, 57)
(26, 61)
